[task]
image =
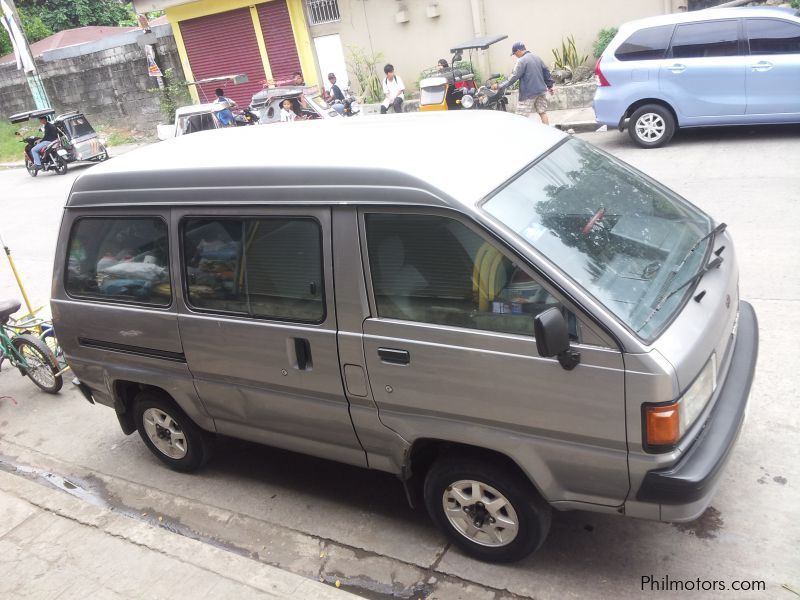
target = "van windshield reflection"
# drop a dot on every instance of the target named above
(618, 234)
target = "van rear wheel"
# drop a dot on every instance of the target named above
(170, 434)
(486, 509)
(651, 126)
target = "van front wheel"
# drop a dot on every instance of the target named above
(170, 434)
(651, 126)
(486, 509)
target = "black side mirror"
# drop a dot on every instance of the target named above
(552, 338)
(457, 57)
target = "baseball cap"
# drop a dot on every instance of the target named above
(517, 46)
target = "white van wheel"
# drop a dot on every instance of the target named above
(486, 508)
(651, 126)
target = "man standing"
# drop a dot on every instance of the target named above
(393, 89)
(534, 80)
(49, 134)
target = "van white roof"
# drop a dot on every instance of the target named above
(463, 155)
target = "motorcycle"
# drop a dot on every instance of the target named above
(489, 98)
(245, 117)
(54, 157)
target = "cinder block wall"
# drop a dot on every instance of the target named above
(110, 85)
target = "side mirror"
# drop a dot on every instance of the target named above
(457, 57)
(552, 338)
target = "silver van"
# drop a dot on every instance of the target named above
(543, 327)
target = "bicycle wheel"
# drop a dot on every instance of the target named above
(49, 337)
(41, 365)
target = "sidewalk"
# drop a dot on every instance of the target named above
(577, 119)
(53, 545)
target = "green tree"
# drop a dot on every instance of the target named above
(35, 30)
(58, 15)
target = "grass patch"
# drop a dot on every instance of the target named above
(116, 136)
(10, 148)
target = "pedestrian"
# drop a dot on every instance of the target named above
(225, 115)
(534, 81)
(49, 134)
(393, 89)
(287, 111)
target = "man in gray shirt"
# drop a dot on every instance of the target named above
(534, 81)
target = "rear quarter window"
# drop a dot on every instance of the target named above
(119, 259)
(650, 43)
(772, 36)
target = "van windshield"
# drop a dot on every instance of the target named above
(624, 238)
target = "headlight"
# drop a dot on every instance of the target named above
(467, 101)
(694, 400)
(666, 424)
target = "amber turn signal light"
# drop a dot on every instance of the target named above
(663, 425)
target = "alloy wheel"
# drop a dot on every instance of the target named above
(650, 127)
(480, 513)
(165, 433)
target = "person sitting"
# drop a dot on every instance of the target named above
(49, 135)
(225, 115)
(287, 111)
(335, 94)
(393, 89)
(442, 65)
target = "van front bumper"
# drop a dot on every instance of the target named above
(685, 489)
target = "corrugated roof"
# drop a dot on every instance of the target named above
(70, 37)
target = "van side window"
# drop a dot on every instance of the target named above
(269, 268)
(122, 259)
(435, 270)
(650, 43)
(770, 36)
(705, 40)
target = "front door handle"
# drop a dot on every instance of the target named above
(677, 68)
(394, 356)
(762, 65)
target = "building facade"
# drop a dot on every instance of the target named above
(273, 39)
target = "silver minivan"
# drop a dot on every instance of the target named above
(544, 327)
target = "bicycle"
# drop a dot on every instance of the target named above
(29, 353)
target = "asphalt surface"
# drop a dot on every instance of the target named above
(329, 521)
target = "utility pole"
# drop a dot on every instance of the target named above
(22, 51)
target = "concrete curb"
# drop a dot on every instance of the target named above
(273, 582)
(579, 126)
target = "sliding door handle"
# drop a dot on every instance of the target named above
(299, 352)
(394, 356)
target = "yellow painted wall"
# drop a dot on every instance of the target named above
(202, 8)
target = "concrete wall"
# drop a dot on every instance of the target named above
(419, 43)
(107, 80)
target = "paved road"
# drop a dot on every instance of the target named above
(332, 522)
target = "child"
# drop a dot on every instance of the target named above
(287, 111)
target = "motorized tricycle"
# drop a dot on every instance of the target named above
(307, 103)
(454, 88)
(77, 141)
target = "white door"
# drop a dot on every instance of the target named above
(330, 54)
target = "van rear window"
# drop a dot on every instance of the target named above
(650, 43)
(120, 259)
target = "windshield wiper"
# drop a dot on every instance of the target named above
(714, 264)
(696, 277)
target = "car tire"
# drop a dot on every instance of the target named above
(651, 126)
(457, 506)
(170, 434)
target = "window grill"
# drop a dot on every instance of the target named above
(323, 11)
